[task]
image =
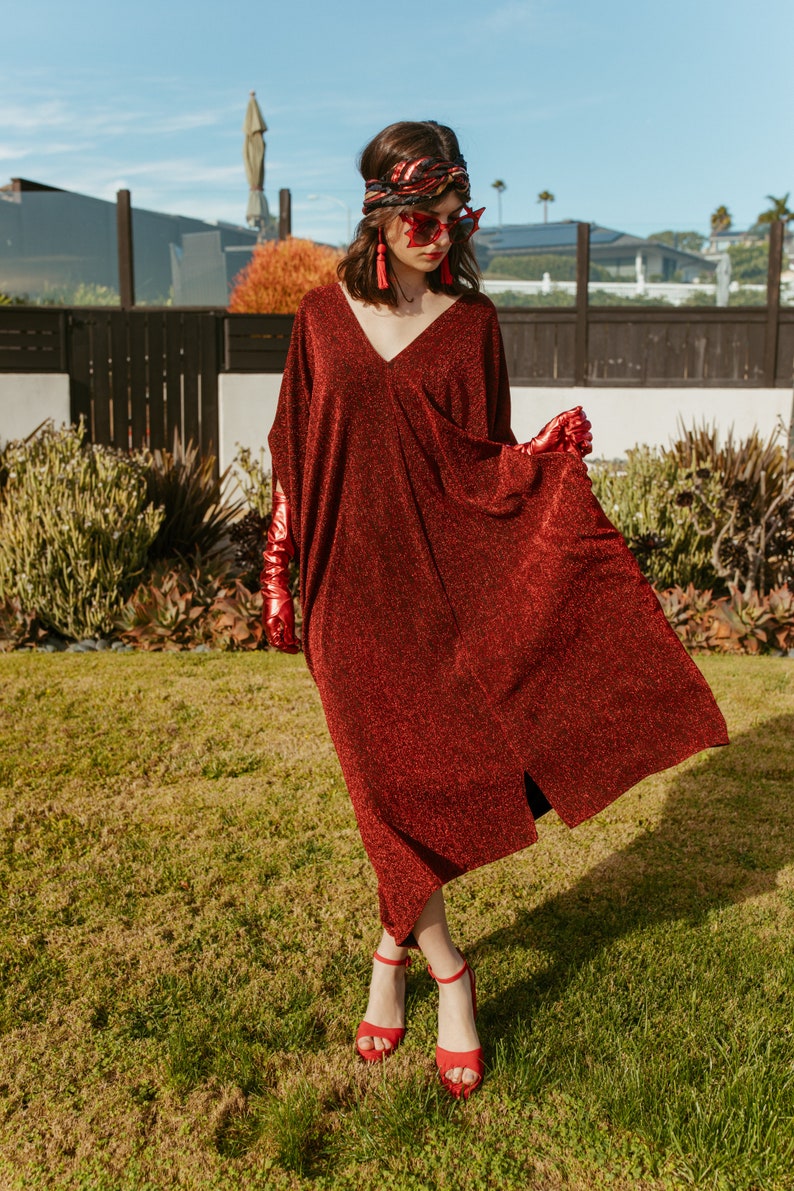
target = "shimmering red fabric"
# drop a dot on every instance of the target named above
(469, 613)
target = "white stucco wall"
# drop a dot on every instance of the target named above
(621, 417)
(27, 399)
(246, 409)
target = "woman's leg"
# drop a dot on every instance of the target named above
(456, 1028)
(386, 993)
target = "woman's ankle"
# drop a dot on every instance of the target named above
(445, 963)
(388, 949)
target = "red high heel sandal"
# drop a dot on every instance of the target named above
(447, 1059)
(392, 1034)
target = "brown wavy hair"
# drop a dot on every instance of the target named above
(404, 141)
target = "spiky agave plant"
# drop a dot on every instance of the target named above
(752, 517)
(197, 518)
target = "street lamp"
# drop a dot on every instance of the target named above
(332, 199)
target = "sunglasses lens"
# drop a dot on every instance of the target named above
(424, 231)
(462, 229)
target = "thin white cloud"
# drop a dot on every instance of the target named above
(185, 121)
(41, 117)
(31, 119)
(512, 17)
(538, 20)
(12, 152)
(187, 170)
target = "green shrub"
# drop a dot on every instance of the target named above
(249, 534)
(704, 513)
(80, 293)
(559, 265)
(647, 499)
(75, 530)
(602, 297)
(557, 297)
(254, 480)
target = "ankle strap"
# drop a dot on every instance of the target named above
(448, 979)
(395, 963)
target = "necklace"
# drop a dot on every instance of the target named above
(403, 293)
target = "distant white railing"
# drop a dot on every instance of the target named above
(677, 292)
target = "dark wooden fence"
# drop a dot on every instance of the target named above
(136, 376)
(139, 375)
(662, 347)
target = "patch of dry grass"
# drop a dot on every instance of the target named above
(186, 932)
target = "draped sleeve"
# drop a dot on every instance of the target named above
(288, 435)
(497, 386)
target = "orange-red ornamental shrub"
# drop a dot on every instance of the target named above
(278, 275)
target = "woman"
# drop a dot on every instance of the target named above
(483, 642)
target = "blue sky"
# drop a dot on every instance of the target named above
(636, 115)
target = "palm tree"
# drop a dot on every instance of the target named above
(545, 197)
(499, 186)
(721, 220)
(778, 210)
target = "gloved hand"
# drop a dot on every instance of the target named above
(569, 431)
(278, 611)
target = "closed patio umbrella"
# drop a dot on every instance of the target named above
(254, 128)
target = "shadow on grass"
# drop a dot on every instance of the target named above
(727, 830)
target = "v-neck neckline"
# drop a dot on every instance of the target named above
(410, 344)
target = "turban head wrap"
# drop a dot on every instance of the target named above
(419, 181)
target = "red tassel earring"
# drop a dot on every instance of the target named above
(446, 272)
(383, 277)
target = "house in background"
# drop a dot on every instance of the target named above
(722, 241)
(53, 241)
(622, 254)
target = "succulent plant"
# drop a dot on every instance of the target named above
(18, 627)
(735, 623)
(181, 607)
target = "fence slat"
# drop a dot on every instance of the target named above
(784, 369)
(79, 363)
(173, 377)
(248, 338)
(774, 268)
(31, 340)
(119, 379)
(99, 347)
(191, 370)
(208, 338)
(155, 374)
(582, 310)
(139, 398)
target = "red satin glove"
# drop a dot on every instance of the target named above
(567, 432)
(278, 611)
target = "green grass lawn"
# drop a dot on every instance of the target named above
(188, 919)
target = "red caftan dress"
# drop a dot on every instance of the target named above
(469, 613)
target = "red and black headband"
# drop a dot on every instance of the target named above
(412, 182)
